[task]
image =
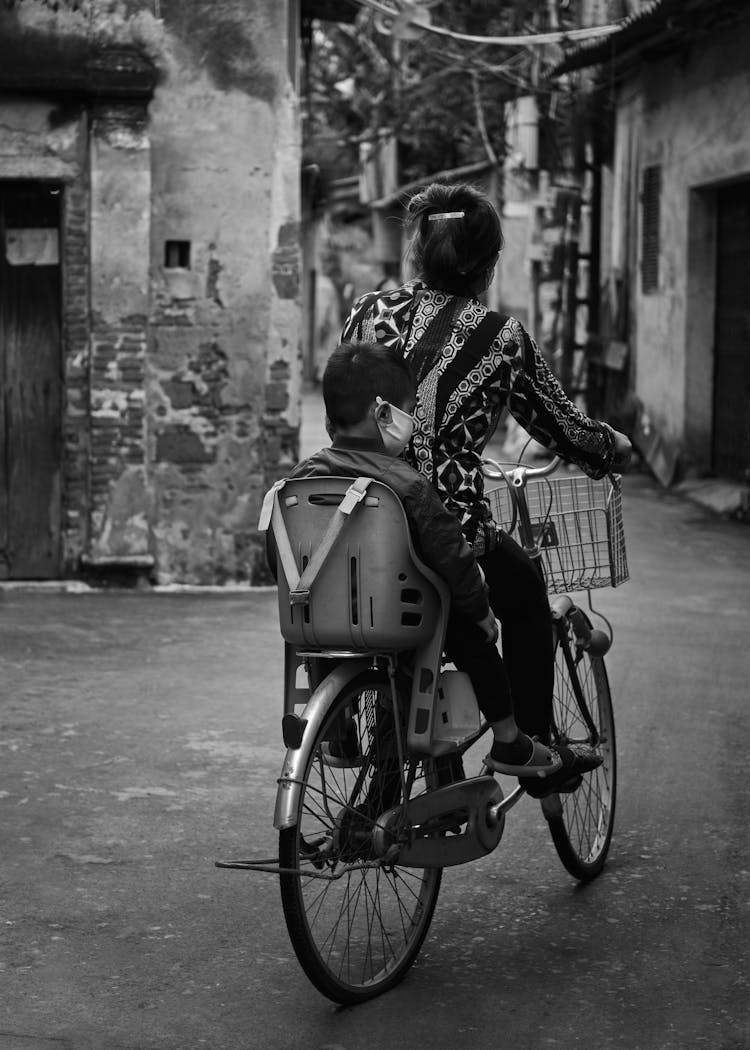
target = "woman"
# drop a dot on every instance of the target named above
(470, 363)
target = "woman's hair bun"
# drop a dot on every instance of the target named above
(453, 254)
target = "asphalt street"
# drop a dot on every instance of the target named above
(140, 740)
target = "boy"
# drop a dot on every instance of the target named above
(369, 394)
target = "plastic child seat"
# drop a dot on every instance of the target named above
(371, 592)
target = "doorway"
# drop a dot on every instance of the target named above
(30, 380)
(731, 428)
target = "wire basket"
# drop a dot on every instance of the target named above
(577, 524)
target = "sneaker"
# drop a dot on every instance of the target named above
(577, 759)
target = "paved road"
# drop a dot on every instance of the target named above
(139, 740)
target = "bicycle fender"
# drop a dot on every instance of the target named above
(317, 707)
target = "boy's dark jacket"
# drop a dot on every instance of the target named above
(435, 532)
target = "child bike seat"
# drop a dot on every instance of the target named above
(348, 574)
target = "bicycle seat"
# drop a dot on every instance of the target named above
(371, 591)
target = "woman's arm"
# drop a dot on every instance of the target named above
(543, 408)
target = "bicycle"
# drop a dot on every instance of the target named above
(373, 801)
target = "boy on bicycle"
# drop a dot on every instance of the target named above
(370, 395)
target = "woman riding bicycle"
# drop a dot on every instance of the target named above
(470, 363)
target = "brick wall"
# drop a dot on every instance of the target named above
(117, 441)
(75, 333)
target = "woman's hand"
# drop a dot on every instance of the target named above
(623, 451)
(489, 627)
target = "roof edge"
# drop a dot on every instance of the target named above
(631, 32)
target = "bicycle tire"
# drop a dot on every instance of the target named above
(357, 935)
(581, 822)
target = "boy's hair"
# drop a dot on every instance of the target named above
(356, 374)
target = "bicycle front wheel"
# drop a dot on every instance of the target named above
(581, 821)
(355, 918)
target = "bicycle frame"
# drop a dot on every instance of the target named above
(516, 479)
(298, 729)
(482, 834)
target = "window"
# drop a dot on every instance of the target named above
(650, 201)
(177, 255)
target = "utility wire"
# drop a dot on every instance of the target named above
(525, 40)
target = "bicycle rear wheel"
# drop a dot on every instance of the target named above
(357, 930)
(581, 822)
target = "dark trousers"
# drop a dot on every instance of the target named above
(520, 682)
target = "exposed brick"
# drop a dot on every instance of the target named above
(180, 394)
(280, 371)
(285, 271)
(179, 444)
(289, 235)
(277, 397)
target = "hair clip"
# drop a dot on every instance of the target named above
(445, 215)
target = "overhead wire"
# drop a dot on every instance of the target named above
(523, 39)
(511, 71)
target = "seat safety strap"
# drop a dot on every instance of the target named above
(300, 595)
(268, 501)
(300, 585)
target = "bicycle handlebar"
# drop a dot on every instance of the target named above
(519, 473)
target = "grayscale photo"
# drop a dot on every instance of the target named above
(374, 524)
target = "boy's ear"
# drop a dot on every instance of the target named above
(381, 412)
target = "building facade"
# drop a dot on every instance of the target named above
(149, 321)
(675, 235)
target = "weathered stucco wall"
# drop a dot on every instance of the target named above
(689, 115)
(182, 370)
(224, 335)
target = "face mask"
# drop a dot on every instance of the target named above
(396, 426)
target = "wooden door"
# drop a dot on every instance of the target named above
(731, 451)
(30, 380)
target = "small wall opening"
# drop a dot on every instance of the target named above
(177, 255)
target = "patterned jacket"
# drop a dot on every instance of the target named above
(470, 363)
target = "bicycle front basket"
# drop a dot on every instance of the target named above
(578, 526)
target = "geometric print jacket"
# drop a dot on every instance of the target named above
(470, 364)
